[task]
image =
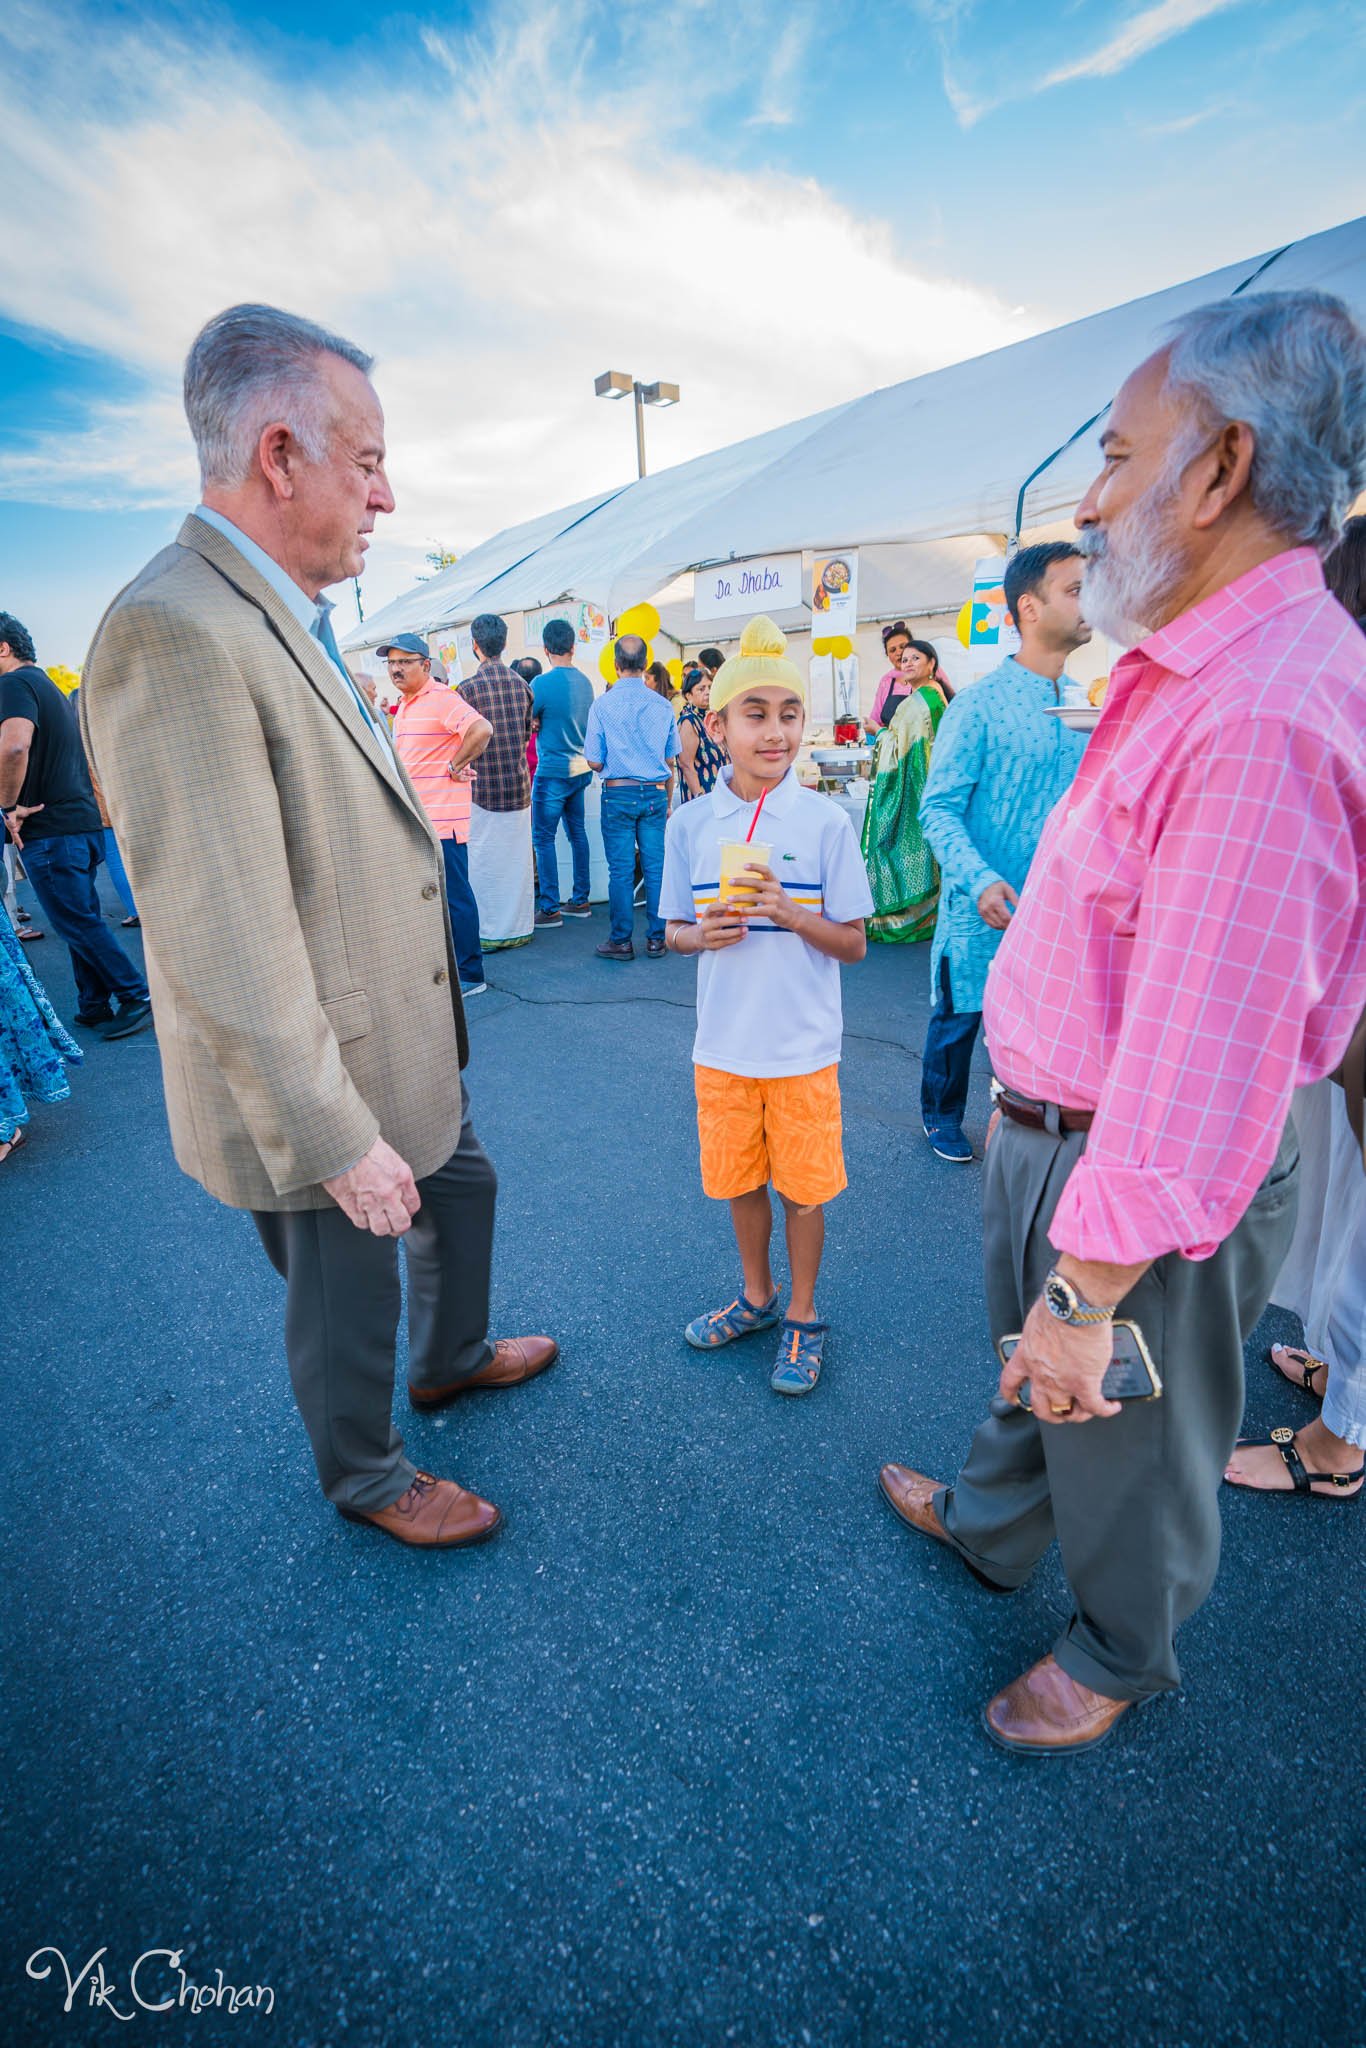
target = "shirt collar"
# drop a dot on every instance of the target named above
(1195, 637)
(777, 803)
(307, 610)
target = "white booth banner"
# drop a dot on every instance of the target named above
(588, 620)
(768, 583)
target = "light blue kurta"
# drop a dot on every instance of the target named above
(999, 766)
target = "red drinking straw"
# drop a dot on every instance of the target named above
(755, 819)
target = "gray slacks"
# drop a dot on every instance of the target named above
(1133, 1499)
(342, 1308)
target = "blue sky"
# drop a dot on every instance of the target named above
(776, 204)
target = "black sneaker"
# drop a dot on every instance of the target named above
(611, 951)
(94, 1020)
(576, 910)
(655, 948)
(131, 1017)
(548, 920)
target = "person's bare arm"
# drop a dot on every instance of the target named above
(16, 738)
(473, 742)
(687, 759)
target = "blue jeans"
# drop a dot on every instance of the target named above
(118, 873)
(554, 797)
(634, 816)
(63, 870)
(469, 958)
(947, 1064)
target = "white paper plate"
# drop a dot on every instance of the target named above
(1079, 717)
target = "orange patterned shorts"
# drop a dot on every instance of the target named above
(786, 1130)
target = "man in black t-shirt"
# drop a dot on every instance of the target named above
(50, 809)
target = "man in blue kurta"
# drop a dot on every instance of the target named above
(1000, 763)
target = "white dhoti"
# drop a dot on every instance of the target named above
(500, 876)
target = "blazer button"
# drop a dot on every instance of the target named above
(440, 976)
(429, 890)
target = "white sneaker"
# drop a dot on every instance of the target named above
(474, 988)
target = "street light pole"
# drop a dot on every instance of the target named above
(639, 391)
(620, 384)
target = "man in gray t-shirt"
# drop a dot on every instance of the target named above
(561, 698)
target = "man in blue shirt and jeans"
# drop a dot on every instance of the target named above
(561, 699)
(632, 738)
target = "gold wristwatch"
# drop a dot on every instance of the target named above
(1062, 1300)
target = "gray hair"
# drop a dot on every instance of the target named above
(1292, 365)
(251, 365)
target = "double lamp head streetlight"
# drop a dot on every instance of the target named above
(617, 384)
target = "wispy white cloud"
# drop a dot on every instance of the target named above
(1136, 37)
(494, 265)
(1140, 34)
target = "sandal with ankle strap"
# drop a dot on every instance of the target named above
(1306, 1361)
(1304, 1482)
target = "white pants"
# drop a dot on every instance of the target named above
(1324, 1276)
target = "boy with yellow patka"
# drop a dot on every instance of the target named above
(769, 1019)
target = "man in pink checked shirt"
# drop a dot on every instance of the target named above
(1191, 946)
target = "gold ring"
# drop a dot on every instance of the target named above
(1054, 1409)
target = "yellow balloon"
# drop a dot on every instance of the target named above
(675, 668)
(607, 662)
(842, 647)
(822, 646)
(642, 619)
(964, 624)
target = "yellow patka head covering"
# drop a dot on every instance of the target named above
(761, 661)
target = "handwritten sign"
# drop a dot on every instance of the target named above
(737, 590)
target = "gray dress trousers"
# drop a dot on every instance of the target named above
(342, 1308)
(1133, 1499)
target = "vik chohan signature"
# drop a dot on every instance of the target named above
(156, 1983)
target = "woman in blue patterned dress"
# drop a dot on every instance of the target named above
(34, 1046)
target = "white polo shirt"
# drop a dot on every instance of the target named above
(771, 1005)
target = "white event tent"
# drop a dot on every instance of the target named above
(922, 477)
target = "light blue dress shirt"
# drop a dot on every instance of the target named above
(998, 767)
(313, 614)
(633, 732)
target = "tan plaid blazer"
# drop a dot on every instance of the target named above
(290, 887)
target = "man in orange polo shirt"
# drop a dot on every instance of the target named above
(437, 735)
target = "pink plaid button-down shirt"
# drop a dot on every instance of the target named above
(1191, 943)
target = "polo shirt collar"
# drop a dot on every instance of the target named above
(1197, 636)
(777, 803)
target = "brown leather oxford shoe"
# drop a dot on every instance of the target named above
(514, 1359)
(434, 1514)
(910, 1495)
(1046, 1713)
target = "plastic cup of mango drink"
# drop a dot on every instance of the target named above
(738, 889)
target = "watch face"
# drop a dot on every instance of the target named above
(1059, 1296)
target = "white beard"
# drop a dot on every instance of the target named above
(1132, 568)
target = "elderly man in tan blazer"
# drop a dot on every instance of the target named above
(298, 946)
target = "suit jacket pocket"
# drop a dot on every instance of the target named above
(349, 1015)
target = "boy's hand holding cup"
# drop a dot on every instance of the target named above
(770, 900)
(720, 924)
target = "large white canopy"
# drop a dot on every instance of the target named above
(919, 471)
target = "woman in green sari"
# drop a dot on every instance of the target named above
(902, 872)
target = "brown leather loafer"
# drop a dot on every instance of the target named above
(1046, 1713)
(514, 1359)
(434, 1514)
(910, 1495)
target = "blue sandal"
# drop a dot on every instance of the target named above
(799, 1357)
(724, 1325)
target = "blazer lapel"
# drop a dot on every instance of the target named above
(309, 655)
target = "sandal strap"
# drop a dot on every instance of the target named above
(1303, 1479)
